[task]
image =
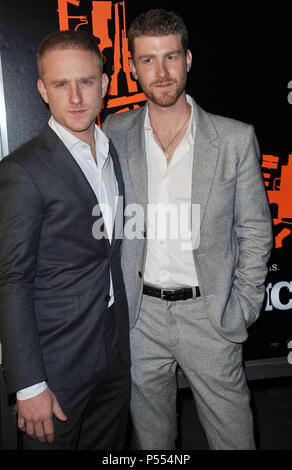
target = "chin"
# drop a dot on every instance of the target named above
(79, 127)
(166, 101)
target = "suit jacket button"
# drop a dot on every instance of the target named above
(140, 273)
(107, 298)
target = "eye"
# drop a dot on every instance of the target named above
(60, 85)
(147, 60)
(86, 82)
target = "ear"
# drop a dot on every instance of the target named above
(104, 84)
(133, 69)
(189, 59)
(42, 90)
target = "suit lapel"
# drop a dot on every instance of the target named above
(137, 158)
(61, 162)
(117, 168)
(119, 216)
(58, 158)
(205, 159)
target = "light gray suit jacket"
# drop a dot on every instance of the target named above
(235, 221)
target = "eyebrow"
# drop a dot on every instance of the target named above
(88, 78)
(144, 56)
(79, 79)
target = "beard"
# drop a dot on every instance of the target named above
(166, 98)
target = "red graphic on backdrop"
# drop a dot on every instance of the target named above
(278, 181)
(108, 20)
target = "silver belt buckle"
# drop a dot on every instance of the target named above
(165, 290)
(162, 294)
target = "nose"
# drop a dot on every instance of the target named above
(75, 95)
(161, 69)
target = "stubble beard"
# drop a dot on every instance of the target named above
(167, 98)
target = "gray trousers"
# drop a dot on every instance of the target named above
(168, 334)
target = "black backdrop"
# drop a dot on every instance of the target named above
(241, 69)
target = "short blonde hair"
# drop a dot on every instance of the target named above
(68, 40)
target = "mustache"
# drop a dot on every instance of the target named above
(162, 81)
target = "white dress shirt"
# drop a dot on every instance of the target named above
(102, 179)
(169, 257)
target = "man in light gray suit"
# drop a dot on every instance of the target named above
(192, 295)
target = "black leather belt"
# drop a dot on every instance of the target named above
(172, 295)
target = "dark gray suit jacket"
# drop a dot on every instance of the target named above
(54, 275)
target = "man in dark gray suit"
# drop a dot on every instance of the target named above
(64, 317)
(194, 291)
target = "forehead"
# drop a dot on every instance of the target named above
(62, 61)
(157, 44)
